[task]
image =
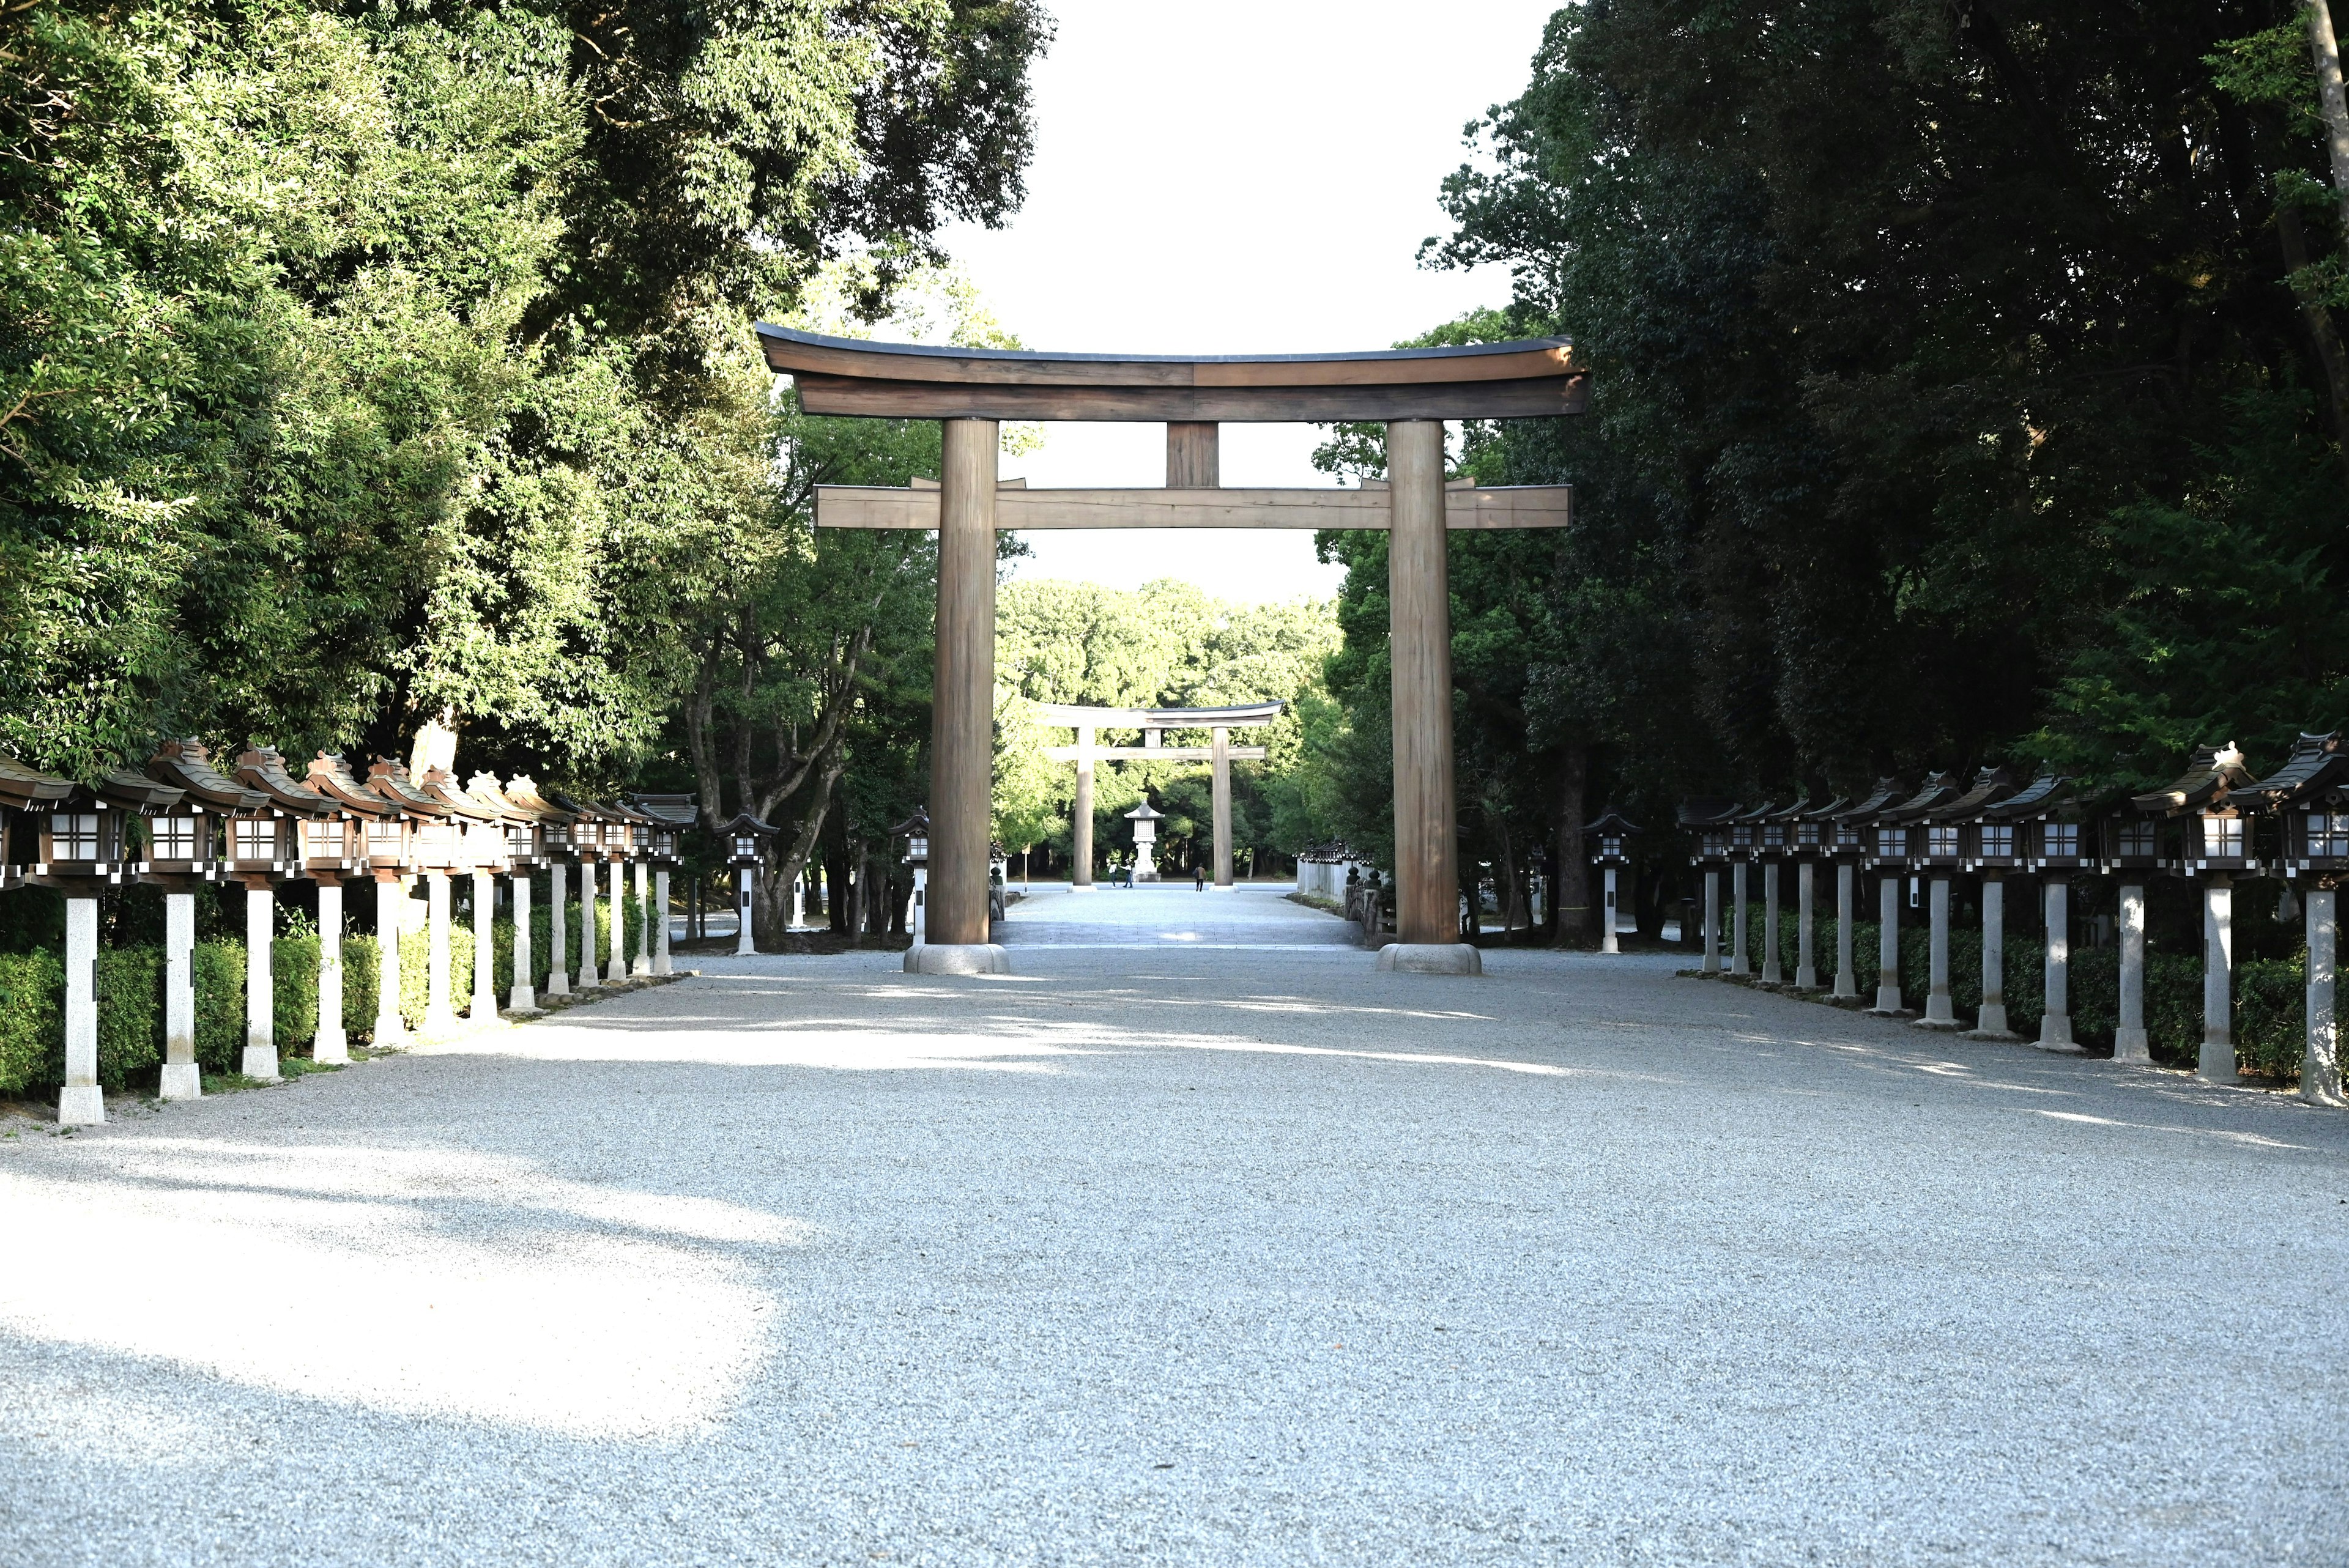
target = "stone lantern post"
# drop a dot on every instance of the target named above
(916, 831)
(1612, 833)
(1812, 846)
(1940, 854)
(1851, 835)
(86, 845)
(330, 849)
(437, 852)
(1709, 820)
(1776, 851)
(551, 840)
(1996, 842)
(671, 816)
(742, 837)
(184, 855)
(2213, 842)
(385, 832)
(1898, 831)
(2308, 798)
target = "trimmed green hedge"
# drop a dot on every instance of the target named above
(131, 994)
(32, 1017)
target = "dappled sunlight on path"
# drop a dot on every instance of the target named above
(427, 1282)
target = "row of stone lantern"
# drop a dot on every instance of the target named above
(2216, 823)
(261, 827)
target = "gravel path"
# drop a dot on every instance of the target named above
(1185, 1256)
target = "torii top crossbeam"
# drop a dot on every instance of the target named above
(903, 380)
(1412, 390)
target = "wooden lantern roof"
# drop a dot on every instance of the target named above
(2317, 763)
(2212, 774)
(743, 822)
(462, 803)
(2048, 792)
(1531, 377)
(387, 776)
(262, 769)
(1938, 790)
(1707, 811)
(1835, 807)
(331, 777)
(522, 792)
(26, 790)
(1887, 794)
(674, 811)
(1990, 783)
(1613, 822)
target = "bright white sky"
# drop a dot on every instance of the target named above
(1224, 177)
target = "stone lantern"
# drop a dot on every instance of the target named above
(1995, 840)
(671, 816)
(384, 830)
(916, 831)
(2309, 797)
(1612, 833)
(1899, 844)
(329, 847)
(481, 850)
(1851, 835)
(1779, 826)
(550, 828)
(1710, 821)
(1744, 844)
(637, 852)
(1940, 853)
(2213, 840)
(255, 844)
(1145, 836)
(742, 837)
(86, 845)
(593, 836)
(1814, 830)
(183, 854)
(437, 848)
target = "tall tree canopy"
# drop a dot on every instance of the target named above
(1966, 386)
(363, 362)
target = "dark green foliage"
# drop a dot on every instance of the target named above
(1952, 402)
(2271, 1016)
(220, 1006)
(130, 1018)
(360, 957)
(32, 1018)
(293, 976)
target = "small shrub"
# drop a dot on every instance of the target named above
(130, 1015)
(360, 957)
(294, 975)
(219, 1005)
(32, 1019)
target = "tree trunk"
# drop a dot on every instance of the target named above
(1573, 922)
(2333, 102)
(2318, 319)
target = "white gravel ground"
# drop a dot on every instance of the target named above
(1204, 1256)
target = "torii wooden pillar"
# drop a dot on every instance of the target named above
(1411, 391)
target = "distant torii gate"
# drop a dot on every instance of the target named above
(1218, 722)
(968, 390)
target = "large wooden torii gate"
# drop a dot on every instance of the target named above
(1219, 752)
(1413, 391)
